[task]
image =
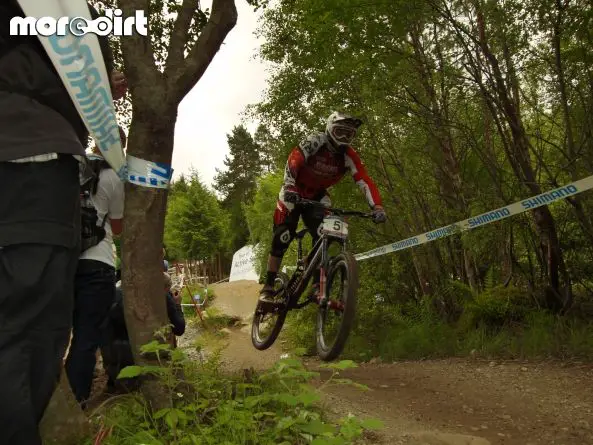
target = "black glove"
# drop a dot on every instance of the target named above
(291, 196)
(379, 215)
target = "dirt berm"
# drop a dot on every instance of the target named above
(444, 402)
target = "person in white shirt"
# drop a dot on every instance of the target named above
(94, 285)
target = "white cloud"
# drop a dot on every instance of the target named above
(232, 81)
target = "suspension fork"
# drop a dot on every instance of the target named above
(321, 298)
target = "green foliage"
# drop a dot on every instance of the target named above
(442, 148)
(500, 322)
(259, 216)
(299, 329)
(498, 306)
(237, 182)
(217, 320)
(242, 166)
(435, 138)
(195, 226)
(204, 292)
(278, 406)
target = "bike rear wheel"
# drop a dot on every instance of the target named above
(265, 332)
(342, 278)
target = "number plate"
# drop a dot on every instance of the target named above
(335, 227)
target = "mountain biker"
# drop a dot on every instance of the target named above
(317, 163)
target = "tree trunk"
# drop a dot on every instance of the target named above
(156, 95)
(506, 255)
(472, 273)
(427, 271)
(63, 422)
(518, 155)
(151, 137)
(448, 170)
(422, 274)
(571, 154)
(556, 44)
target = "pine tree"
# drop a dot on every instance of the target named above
(237, 182)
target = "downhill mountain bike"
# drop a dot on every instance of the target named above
(337, 288)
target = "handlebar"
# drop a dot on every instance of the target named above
(334, 210)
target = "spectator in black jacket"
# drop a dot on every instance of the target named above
(117, 351)
(41, 134)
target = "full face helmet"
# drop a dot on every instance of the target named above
(341, 129)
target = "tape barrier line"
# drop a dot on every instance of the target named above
(483, 219)
(79, 62)
(148, 174)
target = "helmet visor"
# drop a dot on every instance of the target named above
(342, 133)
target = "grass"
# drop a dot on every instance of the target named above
(489, 327)
(204, 406)
(212, 334)
(540, 336)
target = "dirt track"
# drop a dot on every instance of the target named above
(444, 402)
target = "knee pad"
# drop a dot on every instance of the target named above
(281, 240)
(326, 201)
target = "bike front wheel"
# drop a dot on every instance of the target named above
(336, 314)
(267, 322)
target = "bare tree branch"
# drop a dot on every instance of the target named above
(222, 19)
(179, 35)
(139, 63)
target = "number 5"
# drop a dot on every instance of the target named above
(337, 225)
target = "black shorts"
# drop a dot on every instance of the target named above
(286, 223)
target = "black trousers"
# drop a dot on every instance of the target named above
(38, 257)
(94, 293)
(36, 287)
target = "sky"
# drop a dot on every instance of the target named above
(233, 80)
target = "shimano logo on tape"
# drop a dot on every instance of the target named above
(483, 219)
(443, 231)
(489, 217)
(404, 244)
(552, 196)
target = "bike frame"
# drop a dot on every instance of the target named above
(317, 258)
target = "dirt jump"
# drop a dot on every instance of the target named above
(442, 402)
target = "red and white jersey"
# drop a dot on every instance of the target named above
(312, 168)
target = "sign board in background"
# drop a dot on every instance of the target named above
(243, 266)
